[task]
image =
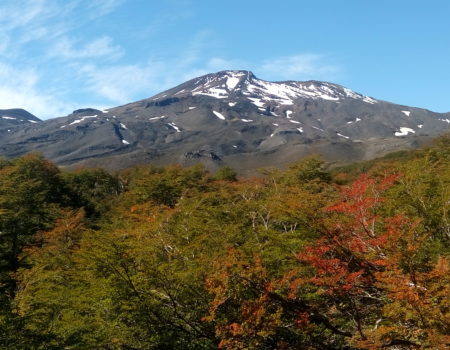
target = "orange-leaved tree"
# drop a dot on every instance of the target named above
(368, 273)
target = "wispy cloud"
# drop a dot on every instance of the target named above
(35, 33)
(103, 7)
(21, 90)
(21, 13)
(65, 48)
(300, 66)
(46, 20)
(119, 83)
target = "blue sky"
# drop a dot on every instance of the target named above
(60, 55)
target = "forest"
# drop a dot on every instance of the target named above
(310, 257)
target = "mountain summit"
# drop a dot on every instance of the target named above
(236, 84)
(234, 118)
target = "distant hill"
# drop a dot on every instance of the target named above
(10, 118)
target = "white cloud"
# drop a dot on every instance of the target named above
(47, 20)
(34, 80)
(100, 47)
(120, 83)
(21, 13)
(103, 7)
(217, 64)
(21, 91)
(301, 66)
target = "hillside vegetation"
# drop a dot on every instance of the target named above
(178, 258)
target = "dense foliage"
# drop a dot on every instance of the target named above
(173, 258)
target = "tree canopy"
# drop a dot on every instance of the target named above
(177, 258)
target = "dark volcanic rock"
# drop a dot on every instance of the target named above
(86, 111)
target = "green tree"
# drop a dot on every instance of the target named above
(30, 195)
(225, 173)
(92, 189)
(29, 200)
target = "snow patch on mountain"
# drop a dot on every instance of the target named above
(77, 121)
(232, 81)
(354, 121)
(177, 129)
(257, 102)
(213, 92)
(404, 131)
(219, 115)
(345, 137)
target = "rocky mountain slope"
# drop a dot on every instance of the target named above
(234, 118)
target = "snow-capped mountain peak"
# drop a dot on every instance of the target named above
(234, 84)
(230, 117)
